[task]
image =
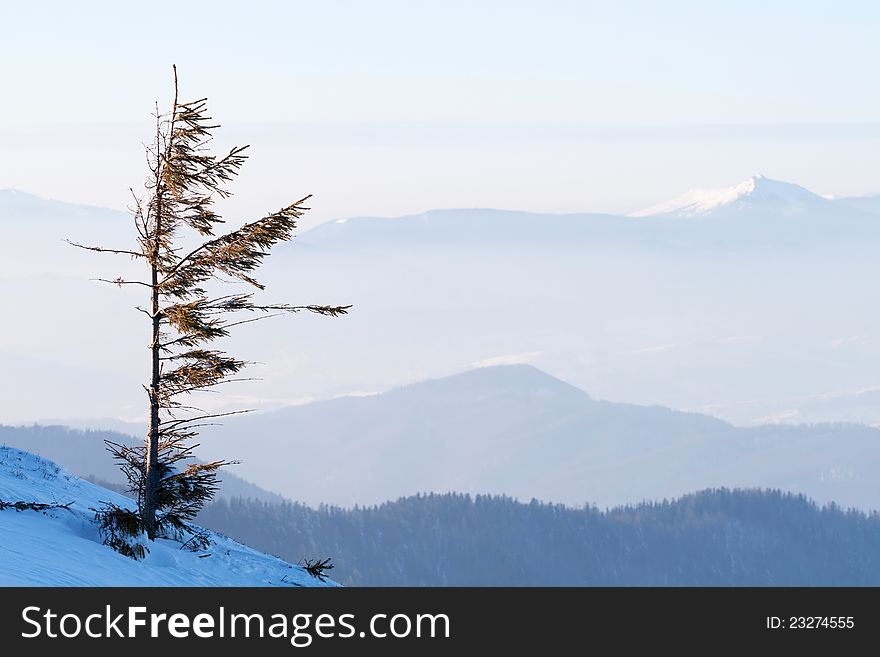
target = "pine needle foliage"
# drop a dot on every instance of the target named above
(185, 180)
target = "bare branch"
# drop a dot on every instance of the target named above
(144, 311)
(101, 249)
(202, 389)
(208, 416)
(251, 319)
(120, 282)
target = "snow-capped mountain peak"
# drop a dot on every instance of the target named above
(755, 191)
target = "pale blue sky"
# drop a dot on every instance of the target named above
(395, 107)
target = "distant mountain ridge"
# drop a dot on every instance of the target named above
(515, 430)
(463, 224)
(32, 205)
(758, 197)
(458, 226)
(511, 430)
(747, 315)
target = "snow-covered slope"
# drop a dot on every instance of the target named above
(61, 547)
(755, 193)
(84, 454)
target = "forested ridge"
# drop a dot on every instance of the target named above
(714, 537)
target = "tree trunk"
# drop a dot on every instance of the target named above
(151, 476)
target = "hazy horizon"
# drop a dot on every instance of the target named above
(441, 114)
(751, 312)
(582, 106)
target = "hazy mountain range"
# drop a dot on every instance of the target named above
(712, 538)
(517, 431)
(753, 303)
(511, 430)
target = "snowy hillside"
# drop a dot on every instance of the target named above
(84, 454)
(61, 547)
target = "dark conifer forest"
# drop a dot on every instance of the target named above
(712, 538)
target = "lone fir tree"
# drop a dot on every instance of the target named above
(185, 178)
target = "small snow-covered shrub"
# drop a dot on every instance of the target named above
(317, 568)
